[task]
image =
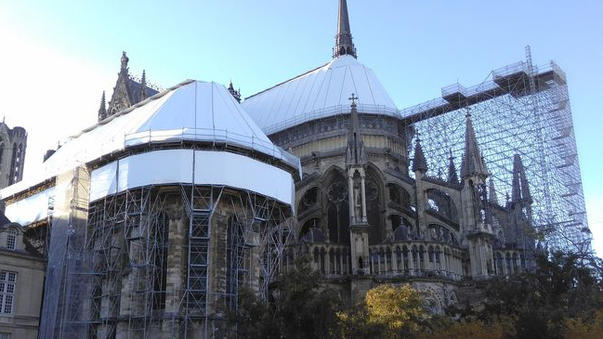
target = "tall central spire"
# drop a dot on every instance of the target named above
(343, 41)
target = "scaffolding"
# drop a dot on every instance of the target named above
(161, 261)
(519, 109)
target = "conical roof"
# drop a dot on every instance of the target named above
(192, 111)
(473, 162)
(320, 93)
(419, 162)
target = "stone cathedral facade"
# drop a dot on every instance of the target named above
(152, 219)
(367, 212)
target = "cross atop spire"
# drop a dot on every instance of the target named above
(343, 40)
(353, 99)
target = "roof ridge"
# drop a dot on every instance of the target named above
(131, 108)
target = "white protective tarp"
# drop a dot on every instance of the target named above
(176, 167)
(31, 209)
(194, 110)
(322, 92)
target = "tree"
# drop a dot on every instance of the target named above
(299, 307)
(388, 311)
(578, 328)
(562, 286)
(463, 330)
(396, 307)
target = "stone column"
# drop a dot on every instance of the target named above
(327, 262)
(351, 195)
(411, 264)
(363, 191)
(395, 260)
(175, 273)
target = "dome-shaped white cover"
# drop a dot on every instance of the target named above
(322, 92)
(191, 111)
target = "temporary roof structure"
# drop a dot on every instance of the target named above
(320, 93)
(192, 111)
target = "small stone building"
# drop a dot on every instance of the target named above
(21, 282)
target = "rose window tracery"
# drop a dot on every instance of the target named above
(337, 192)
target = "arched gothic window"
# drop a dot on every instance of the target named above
(441, 203)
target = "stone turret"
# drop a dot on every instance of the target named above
(356, 161)
(419, 167)
(143, 86)
(127, 91)
(520, 193)
(102, 111)
(473, 162)
(492, 197)
(520, 207)
(235, 93)
(476, 223)
(453, 178)
(419, 163)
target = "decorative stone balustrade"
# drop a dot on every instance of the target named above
(406, 259)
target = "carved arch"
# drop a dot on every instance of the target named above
(375, 197)
(335, 197)
(442, 204)
(399, 196)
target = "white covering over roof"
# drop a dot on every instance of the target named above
(320, 93)
(30, 209)
(185, 166)
(192, 111)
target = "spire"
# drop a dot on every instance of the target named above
(143, 86)
(520, 191)
(355, 126)
(493, 198)
(419, 163)
(473, 162)
(124, 61)
(355, 152)
(102, 111)
(343, 40)
(452, 176)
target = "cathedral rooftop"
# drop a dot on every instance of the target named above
(324, 91)
(193, 111)
(320, 93)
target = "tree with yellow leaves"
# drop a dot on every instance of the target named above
(395, 307)
(389, 311)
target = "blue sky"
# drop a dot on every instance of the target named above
(57, 56)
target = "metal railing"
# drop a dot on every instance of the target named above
(328, 112)
(215, 136)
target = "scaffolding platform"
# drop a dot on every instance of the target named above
(519, 109)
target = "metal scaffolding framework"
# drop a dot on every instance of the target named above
(119, 274)
(520, 109)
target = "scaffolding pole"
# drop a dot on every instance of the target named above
(520, 109)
